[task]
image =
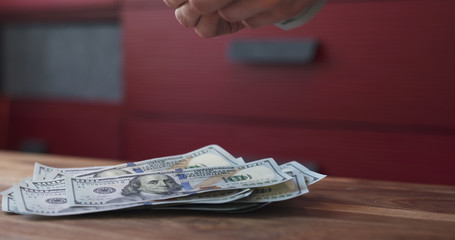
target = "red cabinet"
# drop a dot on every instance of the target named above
(4, 121)
(371, 68)
(376, 103)
(67, 127)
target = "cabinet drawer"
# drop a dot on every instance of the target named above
(67, 128)
(4, 120)
(379, 61)
(371, 155)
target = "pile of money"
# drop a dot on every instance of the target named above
(207, 179)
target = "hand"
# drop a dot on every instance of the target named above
(217, 17)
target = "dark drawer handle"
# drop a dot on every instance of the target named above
(273, 52)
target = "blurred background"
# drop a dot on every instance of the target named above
(365, 89)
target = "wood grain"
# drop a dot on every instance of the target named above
(335, 208)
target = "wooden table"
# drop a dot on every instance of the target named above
(335, 208)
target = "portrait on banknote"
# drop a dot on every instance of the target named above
(147, 187)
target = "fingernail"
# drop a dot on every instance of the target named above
(178, 15)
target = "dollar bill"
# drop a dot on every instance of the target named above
(8, 202)
(311, 177)
(53, 203)
(303, 17)
(301, 176)
(143, 187)
(42, 172)
(58, 183)
(209, 156)
(279, 192)
(53, 178)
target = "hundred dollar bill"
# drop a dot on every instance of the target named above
(8, 201)
(143, 187)
(303, 17)
(42, 172)
(297, 168)
(209, 156)
(301, 176)
(53, 203)
(279, 192)
(212, 155)
(58, 183)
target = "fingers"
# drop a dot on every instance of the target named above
(243, 9)
(216, 17)
(208, 25)
(187, 16)
(258, 13)
(212, 25)
(188, 12)
(208, 6)
(174, 3)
